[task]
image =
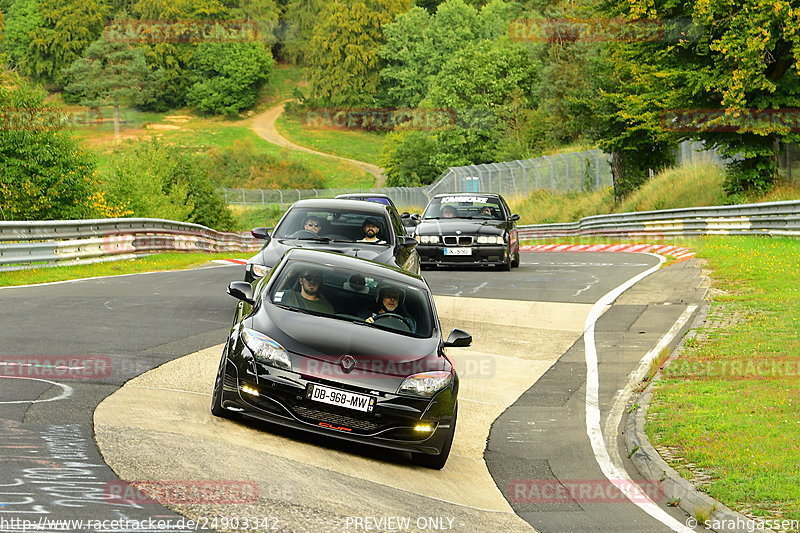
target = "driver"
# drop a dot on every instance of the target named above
(310, 296)
(312, 224)
(389, 300)
(449, 211)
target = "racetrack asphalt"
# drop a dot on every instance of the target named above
(141, 322)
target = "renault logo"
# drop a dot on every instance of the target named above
(348, 363)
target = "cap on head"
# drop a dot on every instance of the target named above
(371, 221)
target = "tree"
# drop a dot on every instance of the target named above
(44, 174)
(500, 73)
(227, 76)
(46, 37)
(111, 73)
(344, 63)
(410, 159)
(299, 20)
(739, 57)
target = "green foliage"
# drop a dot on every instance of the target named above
(227, 76)
(244, 165)
(44, 175)
(155, 180)
(111, 73)
(410, 159)
(299, 20)
(501, 73)
(48, 36)
(343, 62)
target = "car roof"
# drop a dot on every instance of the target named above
(365, 266)
(338, 203)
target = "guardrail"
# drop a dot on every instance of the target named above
(771, 219)
(50, 243)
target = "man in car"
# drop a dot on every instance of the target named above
(371, 229)
(313, 224)
(449, 211)
(310, 296)
(390, 300)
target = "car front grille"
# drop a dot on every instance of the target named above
(459, 240)
(323, 414)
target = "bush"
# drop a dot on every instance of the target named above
(227, 76)
(410, 159)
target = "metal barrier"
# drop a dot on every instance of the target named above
(51, 243)
(777, 219)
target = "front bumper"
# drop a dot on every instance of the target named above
(480, 255)
(282, 400)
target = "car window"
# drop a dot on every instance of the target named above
(352, 296)
(336, 225)
(465, 206)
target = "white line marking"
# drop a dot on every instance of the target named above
(63, 396)
(618, 476)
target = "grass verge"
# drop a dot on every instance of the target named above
(727, 407)
(151, 263)
(359, 145)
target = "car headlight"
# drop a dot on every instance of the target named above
(429, 239)
(266, 350)
(490, 239)
(259, 271)
(425, 384)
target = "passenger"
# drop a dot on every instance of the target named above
(486, 211)
(390, 300)
(449, 211)
(371, 228)
(310, 296)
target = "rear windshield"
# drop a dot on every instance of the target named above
(349, 295)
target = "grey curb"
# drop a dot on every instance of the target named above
(651, 466)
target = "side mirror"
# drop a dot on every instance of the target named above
(513, 218)
(405, 214)
(458, 339)
(261, 233)
(241, 290)
(415, 216)
(408, 242)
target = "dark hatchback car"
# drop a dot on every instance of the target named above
(468, 229)
(336, 365)
(336, 226)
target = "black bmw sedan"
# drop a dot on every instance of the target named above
(351, 227)
(344, 347)
(468, 229)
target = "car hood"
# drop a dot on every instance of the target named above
(327, 340)
(466, 227)
(272, 253)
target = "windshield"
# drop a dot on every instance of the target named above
(334, 225)
(465, 206)
(345, 294)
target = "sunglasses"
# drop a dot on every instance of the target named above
(313, 224)
(313, 278)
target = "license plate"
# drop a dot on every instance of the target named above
(458, 251)
(342, 398)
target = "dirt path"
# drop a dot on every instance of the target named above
(264, 126)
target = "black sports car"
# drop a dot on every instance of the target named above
(337, 226)
(344, 347)
(409, 220)
(468, 229)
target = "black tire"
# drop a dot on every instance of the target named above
(515, 261)
(437, 462)
(216, 395)
(505, 267)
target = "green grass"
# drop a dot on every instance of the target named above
(729, 404)
(693, 185)
(152, 263)
(281, 85)
(249, 217)
(359, 145)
